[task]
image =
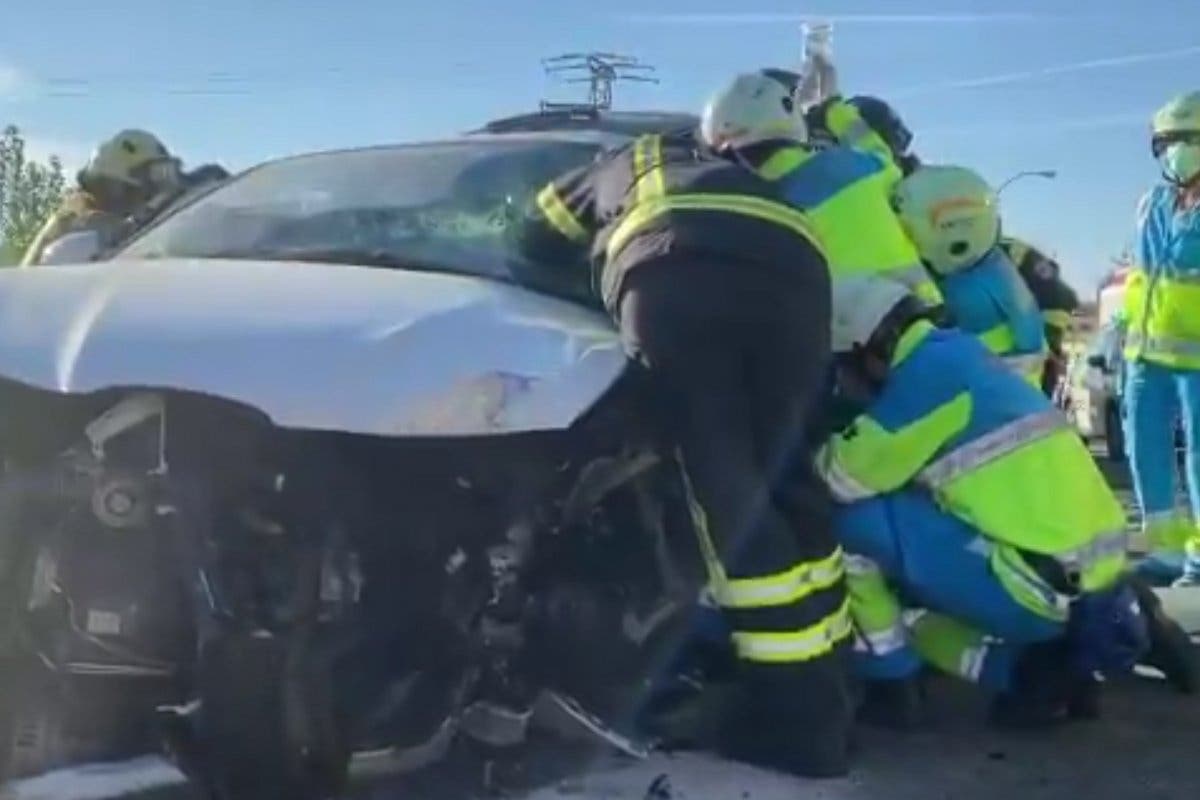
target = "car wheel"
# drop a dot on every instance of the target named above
(1114, 433)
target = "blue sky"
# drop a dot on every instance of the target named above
(999, 86)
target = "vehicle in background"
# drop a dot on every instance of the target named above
(1111, 296)
(1097, 406)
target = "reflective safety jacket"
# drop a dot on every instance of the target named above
(993, 452)
(1162, 292)
(1054, 296)
(79, 211)
(990, 300)
(845, 194)
(847, 126)
(666, 194)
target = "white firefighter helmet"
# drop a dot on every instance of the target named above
(125, 155)
(860, 304)
(951, 214)
(754, 107)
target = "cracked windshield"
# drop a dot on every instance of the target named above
(566, 401)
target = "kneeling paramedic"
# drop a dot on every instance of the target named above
(844, 192)
(722, 292)
(966, 491)
(1054, 296)
(951, 215)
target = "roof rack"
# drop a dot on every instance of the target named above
(587, 118)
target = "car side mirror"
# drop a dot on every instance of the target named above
(78, 247)
(1098, 361)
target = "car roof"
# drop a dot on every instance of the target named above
(604, 129)
(585, 118)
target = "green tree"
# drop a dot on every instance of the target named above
(29, 193)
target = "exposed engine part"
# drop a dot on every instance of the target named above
(602, 476)
(131, 411)
(122, 501)
(398, 761)
(494, 724)
(564, 716)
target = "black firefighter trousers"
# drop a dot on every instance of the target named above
(738, 355)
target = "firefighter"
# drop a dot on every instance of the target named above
(963, 487)
(722, 291)
(1054, 297)
(951, 215)
(129, 180)
(843, 191)
(1162, 343)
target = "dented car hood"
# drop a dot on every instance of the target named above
(313, 346)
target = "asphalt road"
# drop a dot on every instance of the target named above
(1147, 745)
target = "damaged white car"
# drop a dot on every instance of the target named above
(305, 469)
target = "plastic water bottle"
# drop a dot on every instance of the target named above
(818, 41)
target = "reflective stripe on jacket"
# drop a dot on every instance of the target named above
(667, 193)
(990, 448)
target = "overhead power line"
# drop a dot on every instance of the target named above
(600, 71)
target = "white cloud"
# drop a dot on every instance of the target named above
(1004, 78)
(768, 18)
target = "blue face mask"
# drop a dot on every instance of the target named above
(1180, 162)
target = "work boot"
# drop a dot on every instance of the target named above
(897, 705)
(1041, 689)
(794, 718)
(1171, 649)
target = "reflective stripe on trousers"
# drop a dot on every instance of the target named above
(803, 645)
(877, 616)
(782, 589)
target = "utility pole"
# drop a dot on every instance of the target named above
(600, 71)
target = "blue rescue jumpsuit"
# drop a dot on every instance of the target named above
(1162, 378)
(956, 480)
(992, 301)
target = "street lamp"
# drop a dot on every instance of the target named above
(1048, 174)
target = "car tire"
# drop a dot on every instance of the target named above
(1114, 433)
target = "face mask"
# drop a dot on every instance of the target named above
(1181, 162)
